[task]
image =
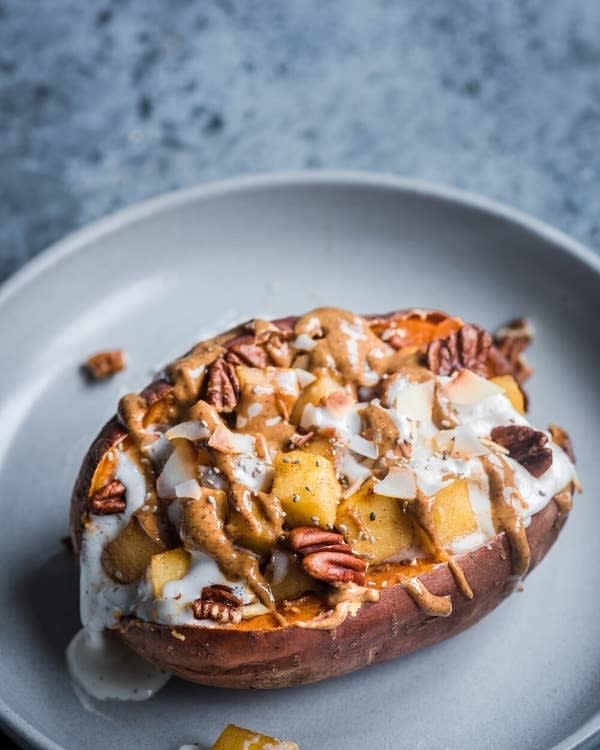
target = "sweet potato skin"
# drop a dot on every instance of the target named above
(392, 627)
(283, 657)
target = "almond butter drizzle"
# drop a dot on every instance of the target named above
(430, 604)
(422, 508)
(346, 600)
(503, 491)
(152, 514)
(187, 374)
(345, 343)
(203, 526)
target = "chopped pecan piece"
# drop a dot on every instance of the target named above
(275, 342)
(103, 364)
(466, 348)
(327, 557)
(525, 445)
(246, 352)
(563, 440)
(509, 344)
(223, 387)
(219, 603)
(155, 391)
(108, 500)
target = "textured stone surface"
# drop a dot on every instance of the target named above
(106, 103)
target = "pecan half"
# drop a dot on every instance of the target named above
(327, 557)
(509, 344)
(335, 567)
(466, 348)
(563, 440)
(108, 500)
(223, 386)
(219, 603)
(103, 364)
(525, 445)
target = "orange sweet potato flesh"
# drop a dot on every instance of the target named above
(263, 656)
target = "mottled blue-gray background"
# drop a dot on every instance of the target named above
(105, 103)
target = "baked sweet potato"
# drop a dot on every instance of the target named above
(271, 561)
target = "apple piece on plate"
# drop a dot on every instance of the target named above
(238, 738)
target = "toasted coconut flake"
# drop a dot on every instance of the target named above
(351, 489)
(467, 444)
(468, 388)
(190, 489)
(444, 441)
(349, 467)
(416, 401)
(304, 377)
(192, 430)
(363, 447)
(180, 467)
(460, 442)
(400, 482)
(226, 441)
(304, 343)
(253, 610)
(339, 403)
(316, 417)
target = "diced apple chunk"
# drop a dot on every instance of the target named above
(167, 566)
(238, 738)
(307, 488)
(286, 576)
(453, 515)
(375, 525)
(126, 558)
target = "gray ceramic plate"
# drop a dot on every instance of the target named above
(156, 277)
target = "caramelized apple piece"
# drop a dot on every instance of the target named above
(307, 488)
(126, 558)
(453, 515)
(375, 525)
(286, 576)
(320, 445)
(167, 566)
(238, 738)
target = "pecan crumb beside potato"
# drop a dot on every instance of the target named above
(104, 364)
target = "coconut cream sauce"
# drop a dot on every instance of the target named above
(503, 495)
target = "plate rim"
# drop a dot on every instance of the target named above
(11, 721)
